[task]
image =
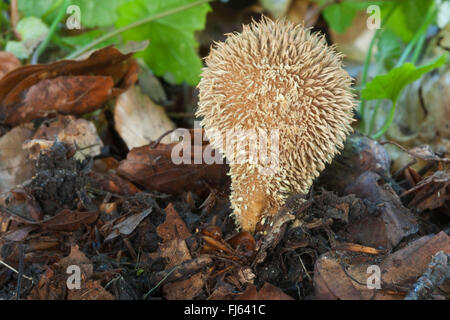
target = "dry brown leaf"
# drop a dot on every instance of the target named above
(66, 86)
(153, 169)
(81, 134)
(173, 227)
(340, 275)
(127, 226)
(138, 120)
(78, 258)
(91, 290)
(14, 165)
(8, 62)
(387, 228)
(267, 292)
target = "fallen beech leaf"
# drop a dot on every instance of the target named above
(14, 166)
(267, 292)
(78, 258)
(340, 275)
(91, 290)
(431, 192)
(79, 133)
(173, 227)
(8, 62)
(68, 220)
(49, 287)
(406, 265)
(393, 221)
(22, 206)
(153, 169)
(127, 226)
(66, 86)
(113, 183)
(138, 120)
(18, 235)
(65, 94)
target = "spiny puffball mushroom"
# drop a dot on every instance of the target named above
(275, 75)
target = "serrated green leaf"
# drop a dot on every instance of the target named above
(390, 85)
(172, 47)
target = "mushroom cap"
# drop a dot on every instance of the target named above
(275, 76)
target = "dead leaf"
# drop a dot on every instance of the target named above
(67, 86)
(138, 120)
(14, 165)
(91, 290)
(127, 226)
(173, 227)
(79, 133)
(8, 62)
(340, 275)
(78, 258)
(267, 292)
(393, 221)
(153, 168)
(68, 220)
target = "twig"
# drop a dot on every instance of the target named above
(437, 272)
(14, 270)
(19, 278)
(51, 31)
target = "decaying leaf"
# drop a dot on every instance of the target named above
(70, 87)
(345, 276)
(127, 226)
(394, 221)
(79, 133)
(8, 62)
(14, 165)
(267, 292)
(153, 168)
(139, 120)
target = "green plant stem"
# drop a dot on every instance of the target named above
(417, 36)
(51, 31)
(388, 122)
(368, 58)
(134, 25)
(373, 117)
(418, 48)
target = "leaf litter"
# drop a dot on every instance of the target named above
(141, 227)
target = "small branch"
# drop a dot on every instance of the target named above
(437, 272)
(14, 270)
(51, 31)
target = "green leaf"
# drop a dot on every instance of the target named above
(98, 13)
(390, 85)
(86, 38)
(340, 16)
(407, 18)
(36, 8)
(173, 49)
(33, 31)
(94, 13)
(389, 49)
